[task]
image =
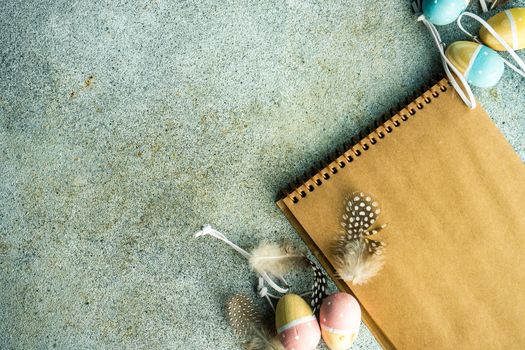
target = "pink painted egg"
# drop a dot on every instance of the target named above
(297, 327)
(340, 317)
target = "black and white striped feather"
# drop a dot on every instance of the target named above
(318, 289)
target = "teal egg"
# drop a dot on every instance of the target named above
(480, 65)
(441, 12)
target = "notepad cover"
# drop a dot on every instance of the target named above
(452, 192)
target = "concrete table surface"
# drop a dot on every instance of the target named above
(125, 125)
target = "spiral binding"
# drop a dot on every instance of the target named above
(362, 142)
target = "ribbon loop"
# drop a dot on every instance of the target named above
(510, 50)
(464, 93)
(207, 230)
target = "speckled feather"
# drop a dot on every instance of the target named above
(242, 314)
(357, 256)
(361, 213)
(247, 323)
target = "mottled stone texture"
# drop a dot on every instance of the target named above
(125, 125)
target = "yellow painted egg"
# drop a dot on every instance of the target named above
(340, 318)
(510, 25)
(297, 327)
(480, 65)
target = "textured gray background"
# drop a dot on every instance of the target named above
(125, 125)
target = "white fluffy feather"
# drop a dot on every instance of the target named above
(353, 261)
(276, 259)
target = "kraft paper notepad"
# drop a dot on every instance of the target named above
(452, 191)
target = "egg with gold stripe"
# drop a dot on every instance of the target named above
(340, 318)
(441, 12)
(297, 327)
(480, 65)
(510, 25)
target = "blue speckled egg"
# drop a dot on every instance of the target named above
(441, 12)
(480, 65)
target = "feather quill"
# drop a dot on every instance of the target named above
(276, 259)
(247, 323)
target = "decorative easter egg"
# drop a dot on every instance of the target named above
(480, 65)
(297, 327)
(340, 317)
(441, 12)
(510, 25)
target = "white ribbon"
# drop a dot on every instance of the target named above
(483, 4)
(464, 93)
(263, 293)
(207, 230)
(491, 30)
